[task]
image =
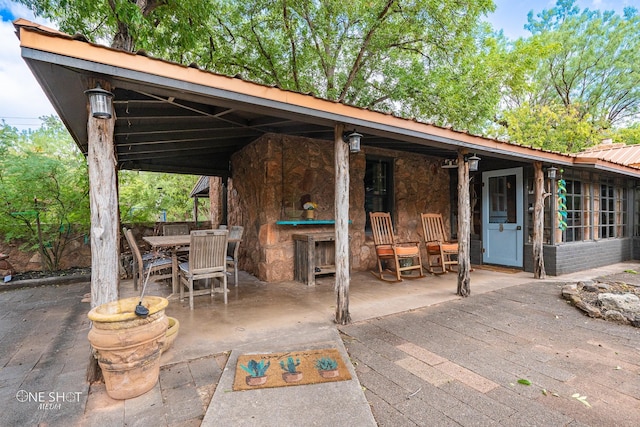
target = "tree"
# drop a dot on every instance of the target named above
(43, 189)
(587, 63)
(405, 57)
(145, 195)
(553, 127)
(128, 24)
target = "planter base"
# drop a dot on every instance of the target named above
(128, 347)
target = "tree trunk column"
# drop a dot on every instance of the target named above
(538, 222)
(464, 227)
(103, 196)
(342, 226)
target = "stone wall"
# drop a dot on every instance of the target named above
(276, 174)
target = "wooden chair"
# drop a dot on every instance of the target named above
(141, 264)
(175, 229)
(207, 255)
(235, 234)
(389, 250)
(439, 248)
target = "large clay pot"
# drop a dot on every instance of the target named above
(128, 346)
(172, 333)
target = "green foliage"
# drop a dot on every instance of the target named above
(577, 81)
(44, 189)
(326, 364)
(256, 369)
(417, 57)
(145, 195)
(629, 135)
(553, 127)
(573, 82)
(290, 365)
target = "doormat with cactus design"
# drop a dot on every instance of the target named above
(290, 368)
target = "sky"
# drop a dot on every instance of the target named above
(22, 101)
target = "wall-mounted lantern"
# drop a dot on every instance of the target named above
(100, 102)
(353, 139)
(551, 173)
(473, 161)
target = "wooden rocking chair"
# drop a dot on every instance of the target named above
(439, 249)
(388, 249)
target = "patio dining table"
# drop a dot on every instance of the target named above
(173, 244)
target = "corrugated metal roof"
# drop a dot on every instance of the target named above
(180, 119)
(627, 155)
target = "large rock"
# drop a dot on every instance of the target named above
(615, 316)
(590, 310)
(619, 302)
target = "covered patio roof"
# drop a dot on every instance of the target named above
(178, 119)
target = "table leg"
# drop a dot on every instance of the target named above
(174, 271)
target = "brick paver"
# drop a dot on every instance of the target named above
(460, 363)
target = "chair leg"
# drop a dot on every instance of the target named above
(235, 268)
(224, 286)
(137, 274)
(397, 261)
(190, 294)
(380, 274)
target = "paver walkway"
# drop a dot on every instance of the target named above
(454, 363)
(44, 355)
(459, 363)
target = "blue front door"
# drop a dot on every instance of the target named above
(502, 217)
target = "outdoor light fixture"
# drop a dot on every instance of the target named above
(353, 139)
(100, 101)
(551, 173)
(473, 162)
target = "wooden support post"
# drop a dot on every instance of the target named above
(342, 226)
(538, 221)
(104, 212)
(464, 227)
(103, 198)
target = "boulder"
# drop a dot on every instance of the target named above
(615, 316)
(619, 302)
(589, 309)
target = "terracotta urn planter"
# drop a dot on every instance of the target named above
(128, 346)
(172, 333)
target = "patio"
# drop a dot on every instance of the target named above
(507, 329)
(257, 309)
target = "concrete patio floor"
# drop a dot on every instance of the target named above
(256, 309)
(283, 316)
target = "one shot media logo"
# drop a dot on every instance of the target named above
(48, 400)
